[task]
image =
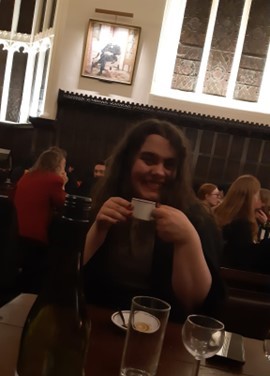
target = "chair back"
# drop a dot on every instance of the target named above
(247, 309)
(242, 279)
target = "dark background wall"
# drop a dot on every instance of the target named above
(89, 127)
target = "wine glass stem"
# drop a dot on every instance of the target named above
(196, 367)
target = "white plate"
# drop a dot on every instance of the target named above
(143, 322)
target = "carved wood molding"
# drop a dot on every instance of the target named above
(185, 119)
(19, 126)
(42, 123)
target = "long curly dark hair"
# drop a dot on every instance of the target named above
(177, 193)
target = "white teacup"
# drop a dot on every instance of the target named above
(142, 209)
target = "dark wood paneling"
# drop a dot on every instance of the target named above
(222, 144)
(89, 127)
(44, 134)
(266, 152)
(89, 133)
(17, 138)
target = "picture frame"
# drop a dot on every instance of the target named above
(110, 51)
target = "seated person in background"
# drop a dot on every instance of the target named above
(38, 193)
(175, 256)
(90, 181)
(238, 216)
(209, 194)
(264, 228)
(73, 183)
(99, 169)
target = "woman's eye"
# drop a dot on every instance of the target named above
(148, 160)
(170, 165)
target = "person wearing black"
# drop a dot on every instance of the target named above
(175, 256)
(88, 184)
(239, 216)
(72, 184)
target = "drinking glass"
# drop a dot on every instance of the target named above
(203, 337)
(146, 329)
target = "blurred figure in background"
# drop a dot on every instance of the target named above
(264, 228)
(265, 198)
(38, 194)
(89, 183)
(99, 169)
(73, 183)
(210, 195)
(238, 216)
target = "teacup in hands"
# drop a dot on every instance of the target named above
(142, 209)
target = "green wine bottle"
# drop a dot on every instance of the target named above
(55, 335)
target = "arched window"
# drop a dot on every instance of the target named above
(215, 52)
(26, 39)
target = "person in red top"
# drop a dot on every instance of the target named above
(39, 193)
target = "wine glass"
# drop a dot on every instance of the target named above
(203, 337)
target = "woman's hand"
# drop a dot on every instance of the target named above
(191, 278)
(114, 210)
(64, 176)
(261, 216)
(172, 225)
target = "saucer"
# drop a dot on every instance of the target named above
(116, 319)
(143, 322)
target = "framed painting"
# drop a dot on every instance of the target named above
(110, 51)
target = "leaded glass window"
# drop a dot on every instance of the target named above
(218, 53)
(223, 48)
(26, 39)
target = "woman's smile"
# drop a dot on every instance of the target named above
(154, 165)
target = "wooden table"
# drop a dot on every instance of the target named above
(106, 345)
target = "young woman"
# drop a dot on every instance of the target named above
(209, 194)
(238, 216)
(175, 256)
(38, 193)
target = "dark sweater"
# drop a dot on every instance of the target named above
(240, 252)
(114, 280)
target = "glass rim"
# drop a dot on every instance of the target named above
(167, 306)
(222, 326)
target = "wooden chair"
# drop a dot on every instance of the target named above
(247, 309)
(241, 279)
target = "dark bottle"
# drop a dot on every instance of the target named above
(55, 335)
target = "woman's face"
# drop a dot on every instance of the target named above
(154, 165)
(62, 166)
(213, 198)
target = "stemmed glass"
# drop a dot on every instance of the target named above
(203, 337)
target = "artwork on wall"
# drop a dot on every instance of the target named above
(110, 51)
